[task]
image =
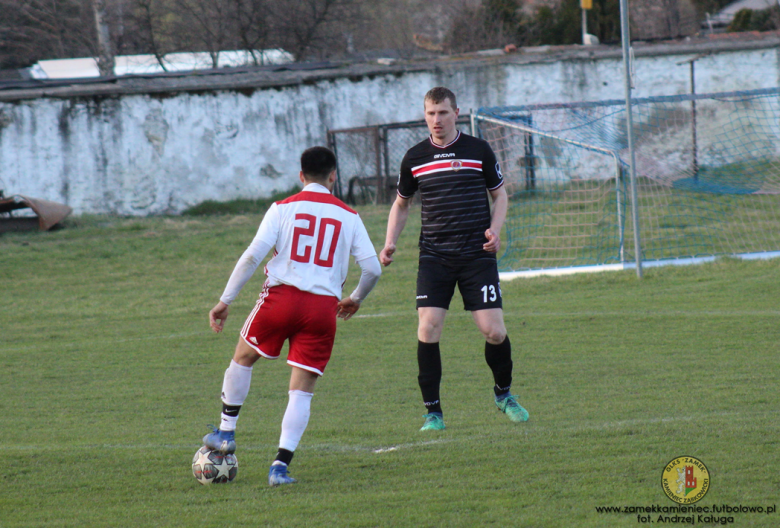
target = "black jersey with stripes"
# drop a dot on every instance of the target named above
(452, 180)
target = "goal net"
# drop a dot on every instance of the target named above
(707, 180)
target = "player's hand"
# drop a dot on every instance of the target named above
(217, 316)
(386, 255)
(493, 242)
(347, 308)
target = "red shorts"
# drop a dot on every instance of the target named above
(307, 320)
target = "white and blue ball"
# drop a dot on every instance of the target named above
(212, 467)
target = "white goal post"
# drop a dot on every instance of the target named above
(707, 181)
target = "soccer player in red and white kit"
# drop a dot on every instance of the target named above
(454, 174)
(314, 234)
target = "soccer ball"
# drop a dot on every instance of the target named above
(211, 466)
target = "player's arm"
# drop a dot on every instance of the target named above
(399, 212)
(497, 218)
(494, 182)
(369, 276)
(245, 268)
(396, 222)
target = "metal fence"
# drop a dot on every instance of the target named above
(369, 158)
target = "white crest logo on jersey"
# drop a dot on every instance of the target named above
(456, 165)
(498, 171)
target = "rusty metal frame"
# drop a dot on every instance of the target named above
(47, 214)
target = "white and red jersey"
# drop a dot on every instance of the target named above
(314, 234)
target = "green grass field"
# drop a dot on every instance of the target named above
(110, 375)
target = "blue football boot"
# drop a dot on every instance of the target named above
(221, 441)
(277, 475)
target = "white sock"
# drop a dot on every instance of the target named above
(295, 420)
(235, 389)
(228, 423)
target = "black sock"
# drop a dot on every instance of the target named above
(499, 359)
(284, 456)
(429, 377)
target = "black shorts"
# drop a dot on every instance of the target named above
(477, 281)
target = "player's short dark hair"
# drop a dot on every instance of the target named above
(317, 163)
(439, 94)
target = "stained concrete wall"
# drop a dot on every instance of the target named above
(160, 152)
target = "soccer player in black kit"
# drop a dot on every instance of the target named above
(454, 173)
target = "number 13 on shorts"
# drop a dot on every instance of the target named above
(490, 293)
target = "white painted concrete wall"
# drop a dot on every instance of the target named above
(142, 155)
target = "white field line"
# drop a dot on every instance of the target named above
(529, 429)
(384, 314)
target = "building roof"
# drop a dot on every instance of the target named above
(145, 64)
(726, 15)
(249, 79)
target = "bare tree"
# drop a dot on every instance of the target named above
(208, 22)
(104, 44)
(151, 27)
(488, 24)
(663, 19)
(166, 26)
(252, 27)
(387, 26)
(33, 30)
(16, 46)
(315, 28)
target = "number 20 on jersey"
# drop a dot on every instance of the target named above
(321, 234)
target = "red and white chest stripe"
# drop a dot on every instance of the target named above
(446, 165)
